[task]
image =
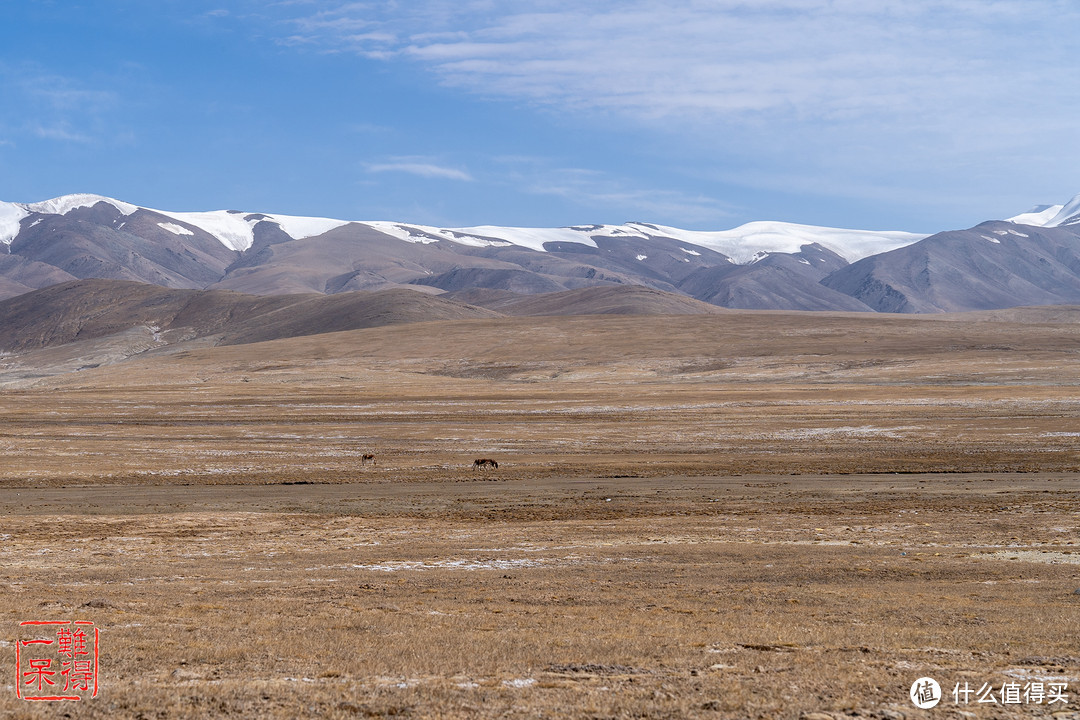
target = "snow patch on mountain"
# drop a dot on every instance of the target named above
(741, 244)
(11, 215)
(230, 228)
(1050, 215)
(744, 243)
(1068, 215)
(299, 227)
(1037, 216)
(485, 235)
(426, 234)
(534, 238)
(65, 204)
(236, 230)
(175, 229)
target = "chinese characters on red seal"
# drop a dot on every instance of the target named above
(57, 660)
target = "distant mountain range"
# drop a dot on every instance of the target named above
(1030, 259)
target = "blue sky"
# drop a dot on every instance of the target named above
(916, 115)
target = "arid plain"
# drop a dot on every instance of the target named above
(737, 515)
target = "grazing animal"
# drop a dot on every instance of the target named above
(485, 462)
(365, 457)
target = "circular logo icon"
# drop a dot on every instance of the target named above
(925, 693)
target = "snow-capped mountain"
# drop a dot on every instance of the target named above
(1037, 216)
(1029, 259)
(761, 265)
(742, 245)
(1068, 215)
(1051, 215)
(236, 230)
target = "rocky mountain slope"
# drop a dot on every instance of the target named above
(88, 236)
(1032, 259)
(993, 265)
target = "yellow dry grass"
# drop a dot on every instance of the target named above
(749, 515)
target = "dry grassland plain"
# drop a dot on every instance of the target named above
(748, 515)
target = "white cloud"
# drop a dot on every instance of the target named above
(830, 60)
(419, 167)
(60, 131)
(619, 198)
(54, 107)
(886, 102)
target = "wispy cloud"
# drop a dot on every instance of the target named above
(56, 107)
(824, 59)
(420, 167)
(355, 27)
(59, 131)
(603, 192)
(867, 95)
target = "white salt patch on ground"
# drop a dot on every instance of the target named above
(520, 682)
(1048, 557)
(846, 431)
(494, 564)
(1025, 674)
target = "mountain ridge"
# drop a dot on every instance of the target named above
(759, 265)
(234, 229)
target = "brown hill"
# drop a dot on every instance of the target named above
(313, 315)
(742, 347)
(84, 309)
(605, 300)
(1043, 314)
(93, 309)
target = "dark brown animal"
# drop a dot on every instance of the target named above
(365, 457)
(485, 462)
